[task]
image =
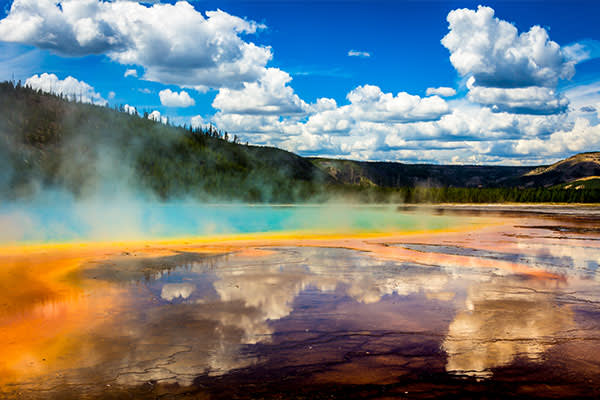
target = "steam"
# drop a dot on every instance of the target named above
(83, 181)
(126, 218)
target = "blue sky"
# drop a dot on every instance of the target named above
(286, 75)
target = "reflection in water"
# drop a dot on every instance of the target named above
(503, 320)
(584, 261)
(87, 322)
(215, 312)
(172, 291)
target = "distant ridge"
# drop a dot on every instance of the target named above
(583, 165)
(396, 174)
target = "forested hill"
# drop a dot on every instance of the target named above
(50, 143)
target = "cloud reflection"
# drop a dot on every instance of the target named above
(503, 321)
(172, 291)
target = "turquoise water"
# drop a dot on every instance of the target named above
(131, 220)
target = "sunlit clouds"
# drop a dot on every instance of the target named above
(509, 103)
(169, 98)
(69, 87)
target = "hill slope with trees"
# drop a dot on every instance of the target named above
(49, 143)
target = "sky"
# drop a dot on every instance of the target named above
(500, 82)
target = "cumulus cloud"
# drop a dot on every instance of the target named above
(270, 95)
(247, 113)
(130, 109)
(130, 72)
(527, 100)
(169, 98)
(467, 134)
(582, 136)
(505, 67)
(362, 54)
(174, 43)
(68, 87)
(198, 121)
(441, 91)
(496, 55)
(512, 114)
(369, 103)
(155, 116)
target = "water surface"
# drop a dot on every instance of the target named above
(506, 307)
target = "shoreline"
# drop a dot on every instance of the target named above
(574, 209)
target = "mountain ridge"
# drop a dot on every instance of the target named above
(398, 174)
(576, 167)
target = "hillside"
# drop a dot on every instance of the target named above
(590, 182)
(49, 144)
(579, 166)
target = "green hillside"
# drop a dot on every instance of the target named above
(49, 143)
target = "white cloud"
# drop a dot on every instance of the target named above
(467, 134)
(369, 103)
(130, 109)
(527, 100)
(362, 54)
(69, 87)
(130, 72)
(513, 112)
(258, 112)
(111, 95)
(583, 136)
(441, 91)
(270, 95)
(496, 55)
(506, 117)
(169, 98)
(504, 67)
(174, 43)
(583, 50)
(155, 116)
(324, 104)
(585, 101)
(198, 121)
(503, 119)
